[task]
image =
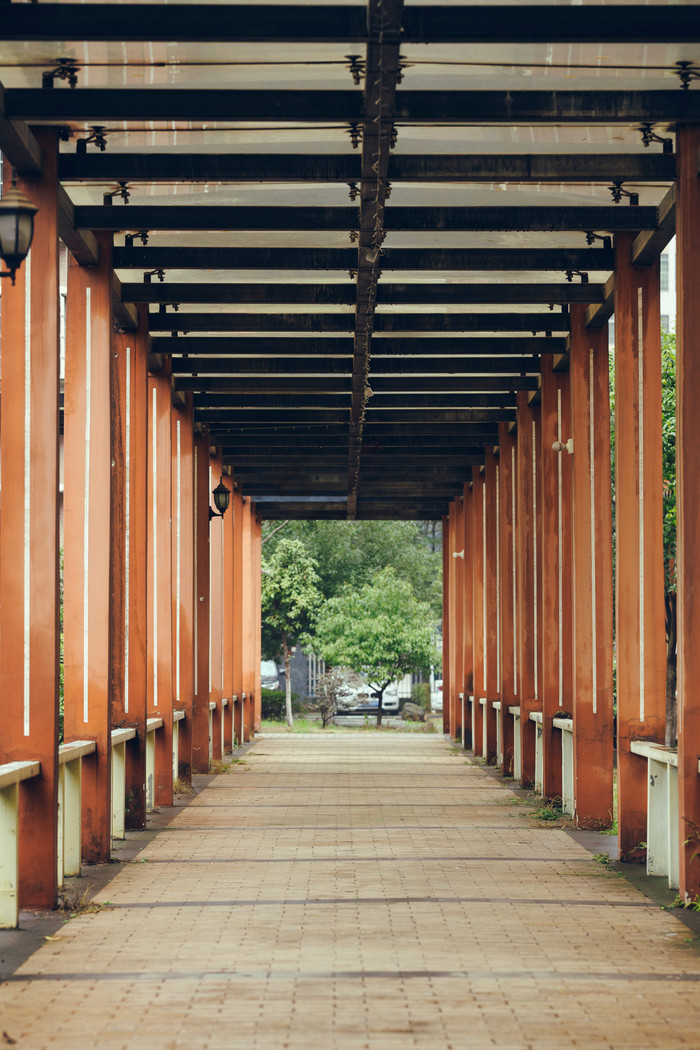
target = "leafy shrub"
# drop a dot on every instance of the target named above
(420, 694)
(272, 704)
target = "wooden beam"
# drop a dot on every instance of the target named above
(344, 167)
(257, 350)
(420, 218)
(328, 366)
(37, 105)
(80, 243)
(435, 259)
(215, 389)
(17, 143)
(648, 245)
(597, 316)
(125, 314)
(383, 322)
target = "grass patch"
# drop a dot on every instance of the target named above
(181, 787)
(79, 904)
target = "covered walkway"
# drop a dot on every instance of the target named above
(360, 890)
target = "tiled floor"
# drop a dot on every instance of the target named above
(360, 890)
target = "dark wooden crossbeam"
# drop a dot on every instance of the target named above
(271, 370)
(482, 23)
(17, 143)
(547, 218)
(36, 105)
(346, 167)
(419, 294)
(399, 465)
(254, 348)
(429, 259)
(383, 322)
(275, 509)
(221, 390)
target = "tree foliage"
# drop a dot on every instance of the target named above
(349, 554)
(380, 629)
(290, 599)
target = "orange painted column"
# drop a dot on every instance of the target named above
(182, 437)
(228, 598)
(160, 637)
(459, 558)
(248, 517)
(466, 541)
(555, 472)
(492, 572)
(478, 606)
(508, 655)
(528, 568)
(200, 701)
(257, 620)
(688, 505)
(29, 534)
(216, 612)
(639, 590)
(87, 509)
(591, 517)
(446, 588)
(129, 555)
(238, 612)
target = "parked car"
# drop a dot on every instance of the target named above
(436, 696)
(269, 676)
(390, 700)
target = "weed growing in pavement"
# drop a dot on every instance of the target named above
(181, 787)
(689, 903)
(80, 904)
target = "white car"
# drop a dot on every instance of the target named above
(436, 696)
(269, 676)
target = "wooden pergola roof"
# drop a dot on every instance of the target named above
(357, 229)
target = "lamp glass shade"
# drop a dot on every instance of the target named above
(221, 497)
(16, 227)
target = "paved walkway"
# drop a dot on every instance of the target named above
(360, 891)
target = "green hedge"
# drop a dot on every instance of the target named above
(273, 704)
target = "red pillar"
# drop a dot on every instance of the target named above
(479, 611)
(556, 569)
(87, 507)
(238, 613)
(639, 591)
(528, 582)
(509, 600)
(492, 570)
(183, 579)
(466, 540)
(248, 517)
(446, 586)
(688, 506)
(29, 536)
(257, 617)
(160, 638)
(228, 598)
(129, 555)
(200, 702)
(216, 612)
(592, 574)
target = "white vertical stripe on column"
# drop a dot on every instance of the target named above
(535, 661)
(27, 483)
(515, 590)
(178, 547)
(127, 523)
(560, 567)
(591, 453)
(483, 578)
(86, 502)
(498, 581)
(640, 381)
(154, 524)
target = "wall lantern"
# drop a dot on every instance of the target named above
(16, 228)
(222, 497)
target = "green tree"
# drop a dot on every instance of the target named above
(381, 630)
(290, 600)
(350, 553)
(668, 427)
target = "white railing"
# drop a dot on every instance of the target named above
(536, 717)
(499, 735)
(662, 809)
(566, 725)
(70, 813)
(152, 724)
(11, 776)
(119, 739)
(517, 743)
